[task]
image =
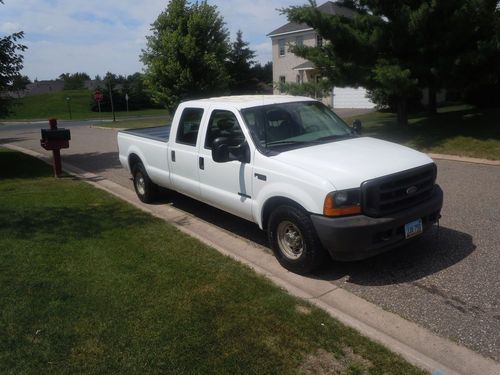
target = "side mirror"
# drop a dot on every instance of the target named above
(357, 126)
(220, 150)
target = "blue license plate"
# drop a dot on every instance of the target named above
(413, 229)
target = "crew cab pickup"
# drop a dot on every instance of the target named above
(293, 167)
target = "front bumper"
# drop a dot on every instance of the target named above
(358, 237)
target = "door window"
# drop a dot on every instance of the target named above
(223, 124)
(189, 124)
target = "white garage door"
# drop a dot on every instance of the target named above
(350, 97)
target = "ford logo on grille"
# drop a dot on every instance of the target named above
(411, 190)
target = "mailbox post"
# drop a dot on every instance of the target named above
(55, 139)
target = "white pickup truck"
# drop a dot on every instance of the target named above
(296, 169)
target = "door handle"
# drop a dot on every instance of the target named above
(201, 162)
(172, 153)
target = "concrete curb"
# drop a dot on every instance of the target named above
(106, 128)
(414, 343)
(464, 159)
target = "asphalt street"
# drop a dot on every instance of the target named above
(447, 281)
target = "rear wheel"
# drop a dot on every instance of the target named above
(145, 189)
(294, 240)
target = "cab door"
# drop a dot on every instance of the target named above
(228, 185)
(183, 153)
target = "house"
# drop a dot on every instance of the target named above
(288, 67)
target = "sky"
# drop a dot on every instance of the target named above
(97, 36)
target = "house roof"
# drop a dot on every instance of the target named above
(329, 8)
(308, 65)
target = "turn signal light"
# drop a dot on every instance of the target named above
(342, 203)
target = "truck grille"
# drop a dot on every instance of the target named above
(389, 194)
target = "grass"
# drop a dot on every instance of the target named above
(455, 130)
(89, 284)
(44, 106)
(141, 123)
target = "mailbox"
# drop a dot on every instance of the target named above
(55, 139)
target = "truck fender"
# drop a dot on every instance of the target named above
(269, 198)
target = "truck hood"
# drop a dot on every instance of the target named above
(348, 163)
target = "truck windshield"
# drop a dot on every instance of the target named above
(291, 125)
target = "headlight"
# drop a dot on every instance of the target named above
(342, 202)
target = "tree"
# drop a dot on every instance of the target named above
(185, 56)
(315, 90)
(263, 73)
(397, 48)
(74, 81)
(132, 85)
(11, 64)
(19, 84)
(240, 61)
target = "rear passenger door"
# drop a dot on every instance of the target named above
(183, 154)
(225, 185)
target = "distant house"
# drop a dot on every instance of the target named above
(288, 67)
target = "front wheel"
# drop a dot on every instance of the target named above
(294, 240)
(145, 189)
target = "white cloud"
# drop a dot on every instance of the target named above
(10, 27)
(96, 36)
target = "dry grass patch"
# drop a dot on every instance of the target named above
(325, 363)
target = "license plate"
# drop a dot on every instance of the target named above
(413, 229)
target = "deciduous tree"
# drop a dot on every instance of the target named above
(11, 64)
(186, 54)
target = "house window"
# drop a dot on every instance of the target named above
(300, 77)
(281, 83)
(281, 45)
(299, 41)
(319, 41)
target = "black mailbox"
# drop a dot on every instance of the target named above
(55, 139)
(56, 134)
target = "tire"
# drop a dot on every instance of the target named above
(145, 189)
(294, 240)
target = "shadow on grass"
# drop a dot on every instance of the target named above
(435, 251)
(428, 132)
(65, 224)
(16, 165)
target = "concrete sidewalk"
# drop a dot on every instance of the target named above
(416, 344)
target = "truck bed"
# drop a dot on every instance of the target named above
(158, 133)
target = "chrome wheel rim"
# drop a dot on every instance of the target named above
(140, 184)
(290, 240)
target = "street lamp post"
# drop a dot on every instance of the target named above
(68, 102)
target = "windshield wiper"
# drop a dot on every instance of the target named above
(336, 137)
(285, 142)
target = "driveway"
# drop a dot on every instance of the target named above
(447, 281)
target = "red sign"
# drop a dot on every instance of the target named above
(98, 96)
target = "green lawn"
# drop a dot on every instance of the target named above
(54, 104)
(89, 284)
(456, 130)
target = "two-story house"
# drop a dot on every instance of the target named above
(287, 67)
